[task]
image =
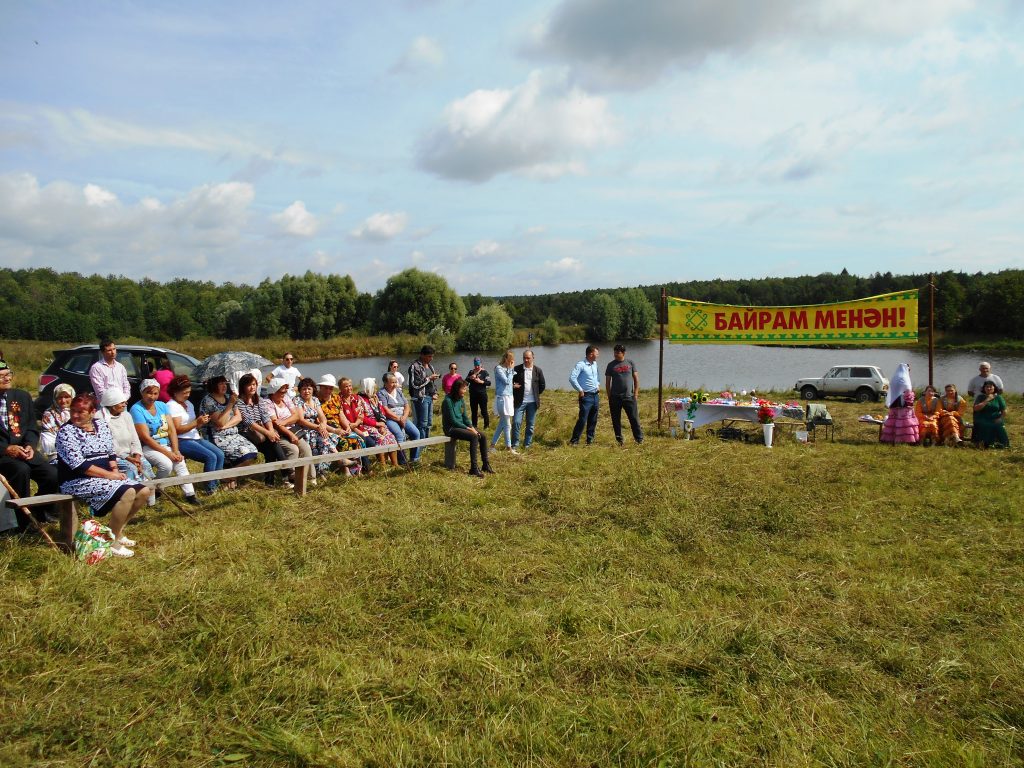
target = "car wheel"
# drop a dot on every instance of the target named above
(865, 395)
(809, 393)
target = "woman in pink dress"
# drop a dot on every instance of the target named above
(901, 424)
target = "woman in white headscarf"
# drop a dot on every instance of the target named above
(901, 425)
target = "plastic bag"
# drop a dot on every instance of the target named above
(93, 541)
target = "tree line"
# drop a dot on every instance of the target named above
(66, 306)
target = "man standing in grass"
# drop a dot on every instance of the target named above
(108, 372)
(527, 386)
(422, 389)
(984, 374)
(622, 383)
(288, 372)
(587, 383)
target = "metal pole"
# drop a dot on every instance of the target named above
(662, 311)
(931, 330)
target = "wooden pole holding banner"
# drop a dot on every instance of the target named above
(931, 330)
(662, 311)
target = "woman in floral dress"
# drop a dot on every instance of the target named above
(222, 430)
(87, 468)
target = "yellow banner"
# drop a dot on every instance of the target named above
(887, 319)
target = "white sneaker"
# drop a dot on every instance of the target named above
(126, 542)
(120, 550)
(312, 481)
(513, 451)
(289, 484)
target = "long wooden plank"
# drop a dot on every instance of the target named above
(252, 469)
(302, 461)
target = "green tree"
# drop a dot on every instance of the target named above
(490, 329)
(417, 302)
(604, 319)
(549, 332)
(638, 315)
(265, 307)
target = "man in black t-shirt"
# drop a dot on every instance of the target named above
(622, 384)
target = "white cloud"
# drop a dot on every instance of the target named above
(296, 220)
(98, 197)
(631, 43)
(538, 127)
(381, 226)
(567, 265)
(485, 248)
(423, 53)
(63, 224)
(81, 127)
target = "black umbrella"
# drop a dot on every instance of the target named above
(226, 363)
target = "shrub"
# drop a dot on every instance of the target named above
(489, 329)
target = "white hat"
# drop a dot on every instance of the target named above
(112, 396)
(275, 384)
(327, 380)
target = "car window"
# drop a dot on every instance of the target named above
(180, 364)
(80, 363)
(130, 363)
(862, 373)
(840, 373)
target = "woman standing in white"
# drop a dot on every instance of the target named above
(504, 405)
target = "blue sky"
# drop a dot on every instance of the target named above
(512, 147)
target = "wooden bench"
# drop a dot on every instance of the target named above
(69, 517)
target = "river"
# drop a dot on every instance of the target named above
(714, 367)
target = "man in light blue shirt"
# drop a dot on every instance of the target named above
(587, 383)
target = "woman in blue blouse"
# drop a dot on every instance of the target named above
(504, 404)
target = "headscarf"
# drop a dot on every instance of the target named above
(899, 384)
(112, 397)
(369, 386)
(65, 389)
(147, 383)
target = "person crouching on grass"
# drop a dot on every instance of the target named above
(456, 424)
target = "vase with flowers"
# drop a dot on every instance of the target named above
(766, 416)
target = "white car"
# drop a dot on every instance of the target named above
(864, 383)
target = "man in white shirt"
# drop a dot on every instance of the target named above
(108, 372)
(984, 374)
(527, 386)
(288, 372)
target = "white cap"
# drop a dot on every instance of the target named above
(327, 380)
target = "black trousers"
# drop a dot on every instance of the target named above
(476, 442)
(479, 400)
(617, 406)
(18, 473)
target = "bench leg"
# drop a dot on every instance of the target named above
(68, 525)
(300, 481)
(449, 454)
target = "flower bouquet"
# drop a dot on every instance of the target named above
(765, 412)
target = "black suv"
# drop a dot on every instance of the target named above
(71, 366)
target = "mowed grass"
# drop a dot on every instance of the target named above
(680, 603)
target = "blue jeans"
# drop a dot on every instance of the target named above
(400, 434)
(424, 408)
(206, 452)
(589, 406)
(530, 410)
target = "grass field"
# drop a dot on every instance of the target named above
(680, 603)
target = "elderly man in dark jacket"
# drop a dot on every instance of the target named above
(19, 436)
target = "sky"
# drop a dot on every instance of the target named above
(513, 148)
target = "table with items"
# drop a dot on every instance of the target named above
(699, 410)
